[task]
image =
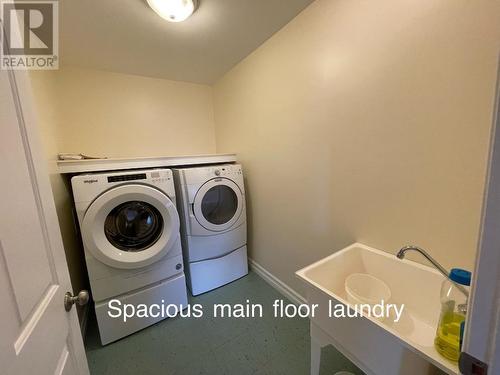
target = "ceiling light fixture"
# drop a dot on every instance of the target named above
(173, 10)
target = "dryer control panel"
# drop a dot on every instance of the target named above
(227, 170)
(200, 175)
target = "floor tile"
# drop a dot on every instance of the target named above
(216, 346)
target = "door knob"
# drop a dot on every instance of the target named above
(82, 299)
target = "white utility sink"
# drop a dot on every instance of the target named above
(377, 347)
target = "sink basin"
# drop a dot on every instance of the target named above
(379, 347)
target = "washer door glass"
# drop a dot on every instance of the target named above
(219, 204)
(133, 226)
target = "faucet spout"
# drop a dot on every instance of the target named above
(402, 252)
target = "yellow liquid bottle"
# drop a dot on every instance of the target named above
(448, 335)
(450, 329)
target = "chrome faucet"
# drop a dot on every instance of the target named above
(401, 254)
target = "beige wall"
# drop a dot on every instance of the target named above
(115, 115)
(47, 110)
(359, 121)
(119, 115)
(365, 121)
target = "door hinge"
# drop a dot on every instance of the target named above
(471, 366)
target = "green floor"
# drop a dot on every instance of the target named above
(211, 346)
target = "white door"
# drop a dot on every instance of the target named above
(481, 348)
(37, 335)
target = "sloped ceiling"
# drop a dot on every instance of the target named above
(126, 36)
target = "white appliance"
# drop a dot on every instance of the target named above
(211, 203)
(130, 231)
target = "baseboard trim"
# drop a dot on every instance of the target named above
(276, 283)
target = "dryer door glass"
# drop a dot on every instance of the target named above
(219, 204)
(133, 226)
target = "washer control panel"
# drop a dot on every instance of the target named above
(160, 175)
(154, 175)
(86, 187)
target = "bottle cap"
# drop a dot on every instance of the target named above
(460, 276)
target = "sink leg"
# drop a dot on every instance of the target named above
(318, 340)
(315, 356)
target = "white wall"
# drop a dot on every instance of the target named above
(365, 121)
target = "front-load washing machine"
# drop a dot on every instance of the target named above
(130, 231)
(211, 202)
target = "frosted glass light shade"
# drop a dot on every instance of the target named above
(173, 10)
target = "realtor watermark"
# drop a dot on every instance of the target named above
(30, 36)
